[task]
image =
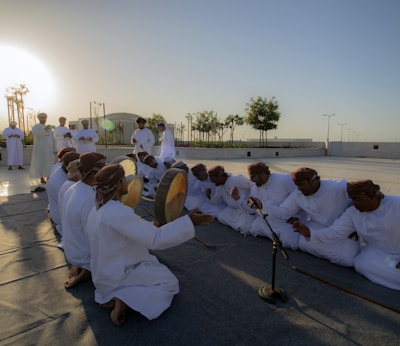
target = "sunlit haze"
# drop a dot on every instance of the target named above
(175, 57)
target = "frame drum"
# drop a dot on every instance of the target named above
(170, 195)
(135, 188)
(127, 163)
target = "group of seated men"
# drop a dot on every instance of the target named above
(347, 223)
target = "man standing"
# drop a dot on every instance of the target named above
(14, 137)
(167, 142)
(86, 138)
(61, 135)
(43, 150)
(142, 138)
(72, 130)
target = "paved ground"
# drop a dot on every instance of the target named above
(218, 303)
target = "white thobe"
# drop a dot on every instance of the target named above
(278, 187)
(196, 193)
(122, 266)
(88, 143)
(144, 140)
(72, 142)
(59, 140)
(14, 146)
(379, 233)
(43, 156)
(167, 149)
(53, 186)
(321, 209)
(154, 176)
(234, 214)
(78, 201)
(60, 199)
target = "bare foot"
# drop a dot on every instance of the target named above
(119, 312)
(84, 275)
(74, 271)
(108, 305)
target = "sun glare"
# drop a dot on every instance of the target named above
(20, 67)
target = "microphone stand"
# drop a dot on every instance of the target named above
(271, 293)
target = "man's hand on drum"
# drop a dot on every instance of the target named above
(200, 219)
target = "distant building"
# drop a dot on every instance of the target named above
(118, 127)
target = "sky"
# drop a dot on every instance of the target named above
(174, 57)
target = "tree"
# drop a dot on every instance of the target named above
(189, 118)
(231, 122)
(204, 123)
(263, 115)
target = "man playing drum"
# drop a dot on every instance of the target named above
(124, 272)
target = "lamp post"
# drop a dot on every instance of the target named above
(341, 131)
(329, 121)
(104, 118)
(349, 133)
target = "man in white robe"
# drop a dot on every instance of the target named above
(86, 138)
(154, 172)
(167, 148)
(72, 142)
(322, 202)
(61, 135)
(53, 186)
(72, 178)
(43, 153)
(271, 189)
(375, 218)
(14, 137)
(142, 138)
(124, 272)
(78, 201)
(234, 191)
(198, 183)
(60, 155)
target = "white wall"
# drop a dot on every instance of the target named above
(383, 150)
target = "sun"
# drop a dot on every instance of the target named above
(18, 66)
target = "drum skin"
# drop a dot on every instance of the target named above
(127, 163)
(170, 195)
(135, 188)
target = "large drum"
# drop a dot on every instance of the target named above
(127, 163)
(170, 195)
(135, 188)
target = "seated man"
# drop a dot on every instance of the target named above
(78, 201)
(271, 189)
(375, 218)
(124, 272)
(322, 202)
(155, 171)
(198, 183)
(73, 177)
(234, 191)
(53, 186)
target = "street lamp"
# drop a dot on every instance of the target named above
(329, 121)
(341, 131)
(349, 133)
